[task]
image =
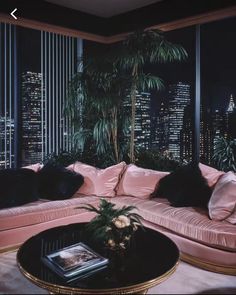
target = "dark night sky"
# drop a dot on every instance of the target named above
(29, 50)
(218, 61)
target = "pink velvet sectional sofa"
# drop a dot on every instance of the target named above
(206, 238)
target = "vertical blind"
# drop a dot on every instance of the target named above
(58, 64)
(8, 84)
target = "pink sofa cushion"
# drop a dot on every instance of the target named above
(192, 223)
(223, 200)
(43, 211)
(34, 167)
(139, 182)
(232, 217)
(98, 182)
(211, 174)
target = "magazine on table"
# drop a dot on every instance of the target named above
(75, 260)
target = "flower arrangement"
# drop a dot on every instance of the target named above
(112, 227)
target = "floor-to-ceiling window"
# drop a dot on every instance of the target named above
(30, 81)
(45, 63)
(218, 85)
(36, 66)
(174, 109)
(172, 120)
(7, 94)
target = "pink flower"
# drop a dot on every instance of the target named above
(121, 221)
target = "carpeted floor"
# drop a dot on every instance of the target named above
(186, 280)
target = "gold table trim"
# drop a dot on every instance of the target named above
(141, 288)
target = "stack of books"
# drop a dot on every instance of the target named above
(75, 262)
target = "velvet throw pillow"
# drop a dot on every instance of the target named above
(18, 187)
(211, 174)
(98, 182)
(139, 182)
(185, 187)
(222, 204)
(58, 183)
(34, 167)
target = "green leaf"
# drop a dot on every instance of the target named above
(224, 154)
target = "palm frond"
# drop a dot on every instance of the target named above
(149, 46)
(167, 52)
(102, 135)
(225, 154)
(128, 60)
(147, 82)
(89, 207)
(125, 209)
(80, 137)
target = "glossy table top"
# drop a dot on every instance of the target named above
(151, 257)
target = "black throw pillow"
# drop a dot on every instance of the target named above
(58, 183)
(185, 187)
(17, 187)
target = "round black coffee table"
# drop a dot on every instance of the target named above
(151, 259)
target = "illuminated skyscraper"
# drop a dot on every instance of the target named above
(179, 99)
(154, 126)
(142, 119)
(160, 128)
(218, 123)
(206, 135)
(6, 142)
(32, 123)
(186, 135)
(231, 118)
(231, 106)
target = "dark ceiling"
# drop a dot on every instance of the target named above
(153, 14)
(103, 8)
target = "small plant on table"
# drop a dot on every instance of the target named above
(113, 227)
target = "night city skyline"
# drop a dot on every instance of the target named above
(164, 123)
(218, 63)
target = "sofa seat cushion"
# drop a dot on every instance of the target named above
(42, 211)
(189, 222)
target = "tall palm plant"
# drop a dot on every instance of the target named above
(134, 53)
(96, 95)
(94, 102)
